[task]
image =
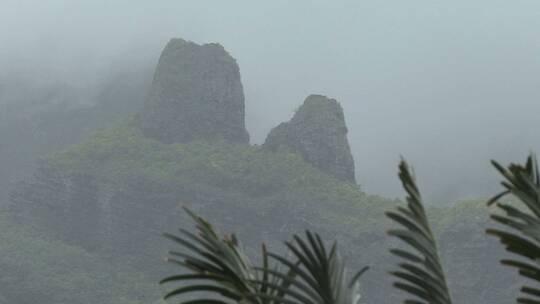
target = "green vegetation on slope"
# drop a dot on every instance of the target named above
(139, 185)
(120, 152)
(39, 269)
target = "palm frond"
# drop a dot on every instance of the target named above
(421, 273)
(522, 181)
(215, 265)
(319, 274)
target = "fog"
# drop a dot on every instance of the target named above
(105, 146)
(447, 84)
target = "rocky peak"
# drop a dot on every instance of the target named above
(196, 94)
(319, 134)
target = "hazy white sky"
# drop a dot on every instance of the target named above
(448, 84)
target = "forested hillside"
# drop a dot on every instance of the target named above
(115, 193)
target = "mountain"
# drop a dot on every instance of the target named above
(196, 94)
(114, 193)
(318, 133)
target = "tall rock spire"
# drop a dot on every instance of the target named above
(196, 94)
(319, 134)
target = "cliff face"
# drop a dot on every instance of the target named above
(196, 94)
(319, 134)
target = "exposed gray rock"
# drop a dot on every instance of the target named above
(319, 134)
(196, 94)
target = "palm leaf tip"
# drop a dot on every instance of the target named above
(421, 275)
(522, 236)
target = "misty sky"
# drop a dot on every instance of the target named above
(447, 84)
